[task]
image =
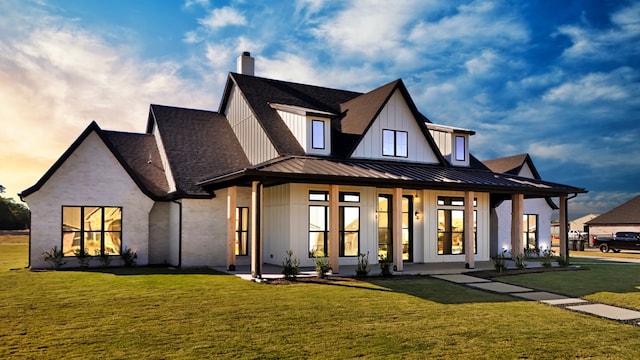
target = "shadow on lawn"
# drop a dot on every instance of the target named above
(148, 270)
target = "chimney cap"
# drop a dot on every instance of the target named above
(246, 53)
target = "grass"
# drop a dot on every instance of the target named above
(157, 313)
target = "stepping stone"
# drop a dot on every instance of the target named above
(607, 311)
(460, 279)
(545, 296)
(564, 301)
(500, 287)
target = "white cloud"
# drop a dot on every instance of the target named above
(614, 86)
(194, 3)
(222, 17)
(481, 64)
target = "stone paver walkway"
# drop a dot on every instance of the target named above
(575, 304)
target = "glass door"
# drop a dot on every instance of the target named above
(385, 231)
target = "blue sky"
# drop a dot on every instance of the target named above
(559, 80)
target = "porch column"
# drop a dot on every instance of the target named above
(397, 228)
(231, 226)
(564, 248)
(469, 243)
(334, 229)
(256, 229)
(517, 211)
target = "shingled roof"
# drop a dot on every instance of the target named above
(627, 213)
(198, 144)
(512, 165)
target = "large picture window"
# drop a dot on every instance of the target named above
(242, 230)
(394, 143)
(530, 231)
(94, 230)
(451, 226)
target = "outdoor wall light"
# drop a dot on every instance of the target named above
(417, 214)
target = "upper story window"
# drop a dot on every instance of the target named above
(460, 148)
(317, 134)
(394, 143)
(452, 142)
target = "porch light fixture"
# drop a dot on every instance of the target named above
(417, 215)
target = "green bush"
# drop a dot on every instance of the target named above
(290, 266)
(54, 257)
(547, 257)
(521, 261)
(83, 257)
(500, 261)
(129, 256)
(362, 268)
(322, 266)
(385, 265)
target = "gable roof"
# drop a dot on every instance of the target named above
(198, 144)
(512, 165)
(128, 149)
(260, 92)
(360, 113)
(626, 213)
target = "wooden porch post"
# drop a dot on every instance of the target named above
(334, 229)
(469, 243)
(397, 228)
(564, 253)
(231, 226)
(256, 229)
(517, 211)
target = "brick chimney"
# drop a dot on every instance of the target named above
(246, 64)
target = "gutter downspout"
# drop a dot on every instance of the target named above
(179, 232)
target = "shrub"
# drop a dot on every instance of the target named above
(362, 268)
(563, 262)
(105, 260)
(521, 261)
(322, 266)
(500, 262)
(547, 257)
(54, 257)
(83, 257)
(129, 256)
(385, 265)
(290, 266)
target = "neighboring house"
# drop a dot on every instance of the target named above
(536, 218)
(625, 217)
(280, 165)
(579, 224)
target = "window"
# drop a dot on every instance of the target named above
(317, 134)
(349, 230)
(315, 195)
(350, 197)
(394, 143)
(94, 230)
(242, 230)
(451, 226)
(530, 231)
(318, 230)
(460, 148)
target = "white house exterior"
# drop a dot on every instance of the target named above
(284, 166)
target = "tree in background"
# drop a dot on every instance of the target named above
(13, 216)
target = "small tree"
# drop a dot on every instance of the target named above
(385, 265)
(290, 266)
(54, 257)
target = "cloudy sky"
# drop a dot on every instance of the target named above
(557, 79)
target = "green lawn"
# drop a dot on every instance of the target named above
(163, 314)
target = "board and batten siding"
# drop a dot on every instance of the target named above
(245, 125)
(300, 126)
(396, 115)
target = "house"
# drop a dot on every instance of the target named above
(624, 217)
(578, 224)
(536, 218)
(280, 166)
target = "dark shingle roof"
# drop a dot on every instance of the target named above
(260, 92)
(511, 164)
(140, 152)
(626, 213)
(198, 143)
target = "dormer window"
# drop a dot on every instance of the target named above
(317, 134)
(394, 143)
(460, 148)
(452, 142)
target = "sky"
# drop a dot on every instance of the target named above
(557, 79)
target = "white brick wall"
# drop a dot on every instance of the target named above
(91, 176)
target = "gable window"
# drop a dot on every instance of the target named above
(460, 148)
(317, 134)
(530, 231)
(93, 230)
(242, 230)
(395, 143)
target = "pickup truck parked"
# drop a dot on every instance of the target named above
(622, 240)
